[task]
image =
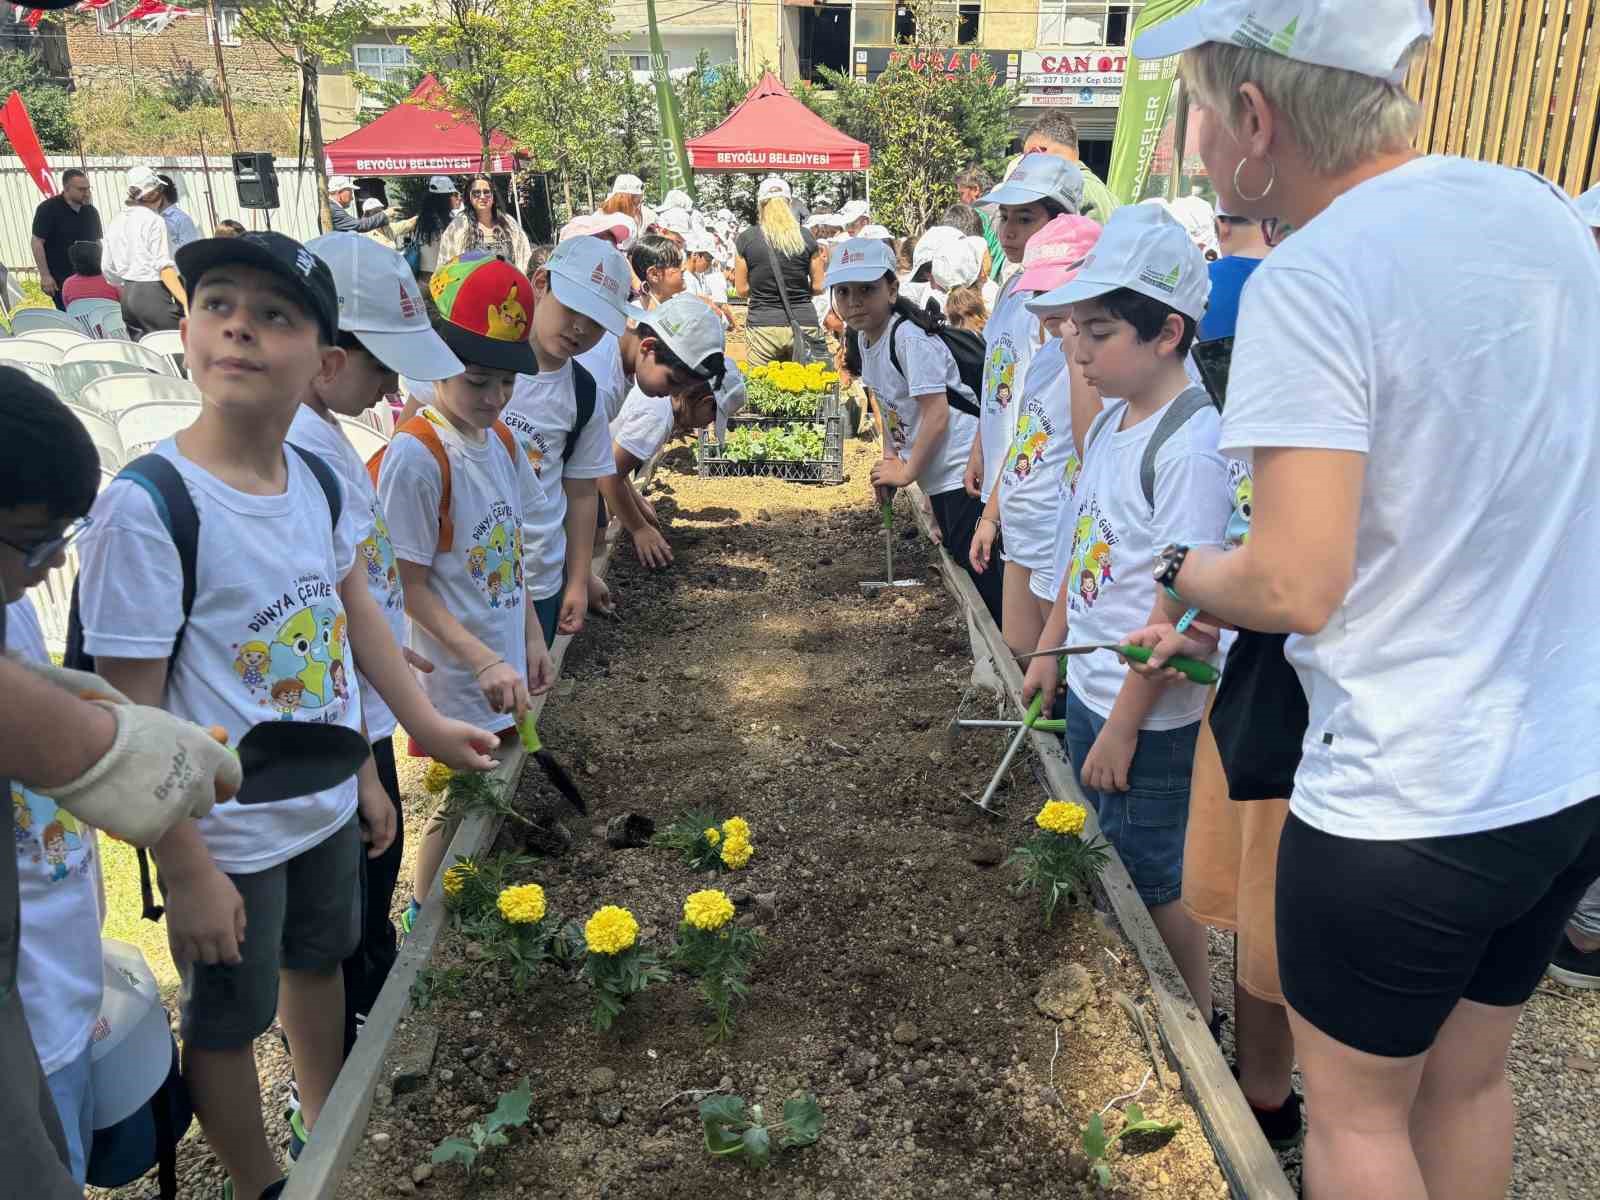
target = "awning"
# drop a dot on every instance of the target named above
(422, 135)
(772, 131)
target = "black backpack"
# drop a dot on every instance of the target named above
(965, 347)
(157, 476)
(583, 390)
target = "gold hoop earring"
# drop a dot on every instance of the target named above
(1272, 178)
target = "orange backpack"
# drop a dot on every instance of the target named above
(421, 428)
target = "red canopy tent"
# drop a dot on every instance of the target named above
(422, 135)
(772, 131)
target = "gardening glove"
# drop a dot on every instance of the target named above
(160, 769)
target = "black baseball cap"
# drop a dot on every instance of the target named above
(276, 253)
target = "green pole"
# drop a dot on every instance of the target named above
(673, 159)
(1146, 99)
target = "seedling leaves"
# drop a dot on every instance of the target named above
(802, 1120)
(1094, 1137)
(757, 1146)
(512, 1109)
(455, 1150)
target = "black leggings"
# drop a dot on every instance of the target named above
(368, 967)
(956, 514)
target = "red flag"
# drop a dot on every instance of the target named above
(18, 128)
(23, 15)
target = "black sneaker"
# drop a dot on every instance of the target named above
(1283, 1126)
(1218, 1020)
(1574, 967)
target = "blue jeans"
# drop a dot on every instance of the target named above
(1148, 822)
(72, 1089)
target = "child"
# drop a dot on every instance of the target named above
(86, 282)
(461, 562)
(1026, 503)
(272, 572)
(1136, 302)
(1041, 187)
(658, 263)
(705, 280)
(580, 295)
(383, 330)
(964, 308)
(926, 440)
(685, 342)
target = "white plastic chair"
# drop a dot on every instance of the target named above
(62, 339)
(16, 350)
(42, 372)
(112, 350)
(367, 440)
(103, 433)
(100, 318)
(164, 341)
(27, 320)
(143, 425)
(72, 378)
(116, 394)
(52, 600)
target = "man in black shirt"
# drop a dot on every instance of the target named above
(57, 223)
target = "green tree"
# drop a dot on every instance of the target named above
(310, 35)
(470, 48)
(48, 102)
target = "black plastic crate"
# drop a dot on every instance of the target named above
(827, 469)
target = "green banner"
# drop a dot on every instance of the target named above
(673, 158)
(1146, 97)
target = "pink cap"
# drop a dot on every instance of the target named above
(619, 226)
(1053, 255)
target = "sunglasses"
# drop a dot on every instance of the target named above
(39, 553)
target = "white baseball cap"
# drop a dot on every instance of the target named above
(1040, 176)
(772, 186)
(627, 185)
(1589, 206)
(1199, 218)
(593, 278)
(954, 265)
(859, 260)
(132, 1048)
(674, 220)
(442, 185)
(692, 330)
(677, 198)
(1144, 250)
(930, 243)
(700, 243)
(371, 204)
(380, 303)
(730, 395)
(1369, 38)
(880, 232)
(853, 211)
(143, 180)
(338, 184)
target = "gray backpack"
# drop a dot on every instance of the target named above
(1190, 401)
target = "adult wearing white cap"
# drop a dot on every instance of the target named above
(778, 269)
(627, 197)
(441, 203)
(1430, 546)
(341, 202)
(854, 217)
(138, 258)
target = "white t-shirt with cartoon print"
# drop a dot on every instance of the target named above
(929, 368)
(58, 880)
(1035, 464)
(644, 425)
(374, 552)
(1010, 339)
(542, 412)
(1115, 537)
(266, 639)
(480, 578)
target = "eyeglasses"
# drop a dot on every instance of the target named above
(1274, 230)
(39, 553)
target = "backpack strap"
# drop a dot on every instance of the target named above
(507, 438)
(326, 478)
(423, 430)
(1189, 401)
(583, 390)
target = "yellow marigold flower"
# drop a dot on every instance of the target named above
(712, 836)
(611, 930)
(736, 827)
(1061, 816)
(523, 904)
(708, 910)
(736, 852)
(456, 876)
(436, 778)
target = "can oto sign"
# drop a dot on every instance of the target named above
(1106, 68)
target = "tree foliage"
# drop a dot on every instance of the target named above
(47, 101)
(471, 47)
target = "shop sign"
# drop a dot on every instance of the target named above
(1082, 68)
(872, 61)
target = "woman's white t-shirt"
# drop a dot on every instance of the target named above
(644, 425)
(1010, 338)
(267, 638)
(479, 579)
(542, 412)
(929, 369)
(1439, 320)
(58, 880)
(1030, 477)
(374, 552)
(1115, 537)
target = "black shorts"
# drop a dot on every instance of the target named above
(1378, 940)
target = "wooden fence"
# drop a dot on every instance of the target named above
(1515, 82)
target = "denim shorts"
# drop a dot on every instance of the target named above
(1148, 822)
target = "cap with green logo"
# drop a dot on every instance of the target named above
(1144, 250)
(486, 304)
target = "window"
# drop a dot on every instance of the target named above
(967, 16)
(874, 24)
(107, 18)
(226, 29)
(1085, 22)
(385, 64)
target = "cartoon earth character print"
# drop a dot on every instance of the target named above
(251, 664)
(49, 835)
(1000, 374)
(477, 562)
(897, 430)
(286, 695)
(303, 666)
(1244, 490)
(1069, 474)
(21, 820)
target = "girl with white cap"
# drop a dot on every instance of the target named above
(138, 258)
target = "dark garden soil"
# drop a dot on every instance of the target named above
(900, 972)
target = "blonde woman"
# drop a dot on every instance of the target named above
(778, 242)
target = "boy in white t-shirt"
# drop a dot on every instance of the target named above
(1151, 476)
(581, 293)
(278, 617)
(705, 279)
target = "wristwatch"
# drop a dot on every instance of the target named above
(1169, 562)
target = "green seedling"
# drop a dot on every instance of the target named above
(1097, 1145)
(731, 1133)
(433, 984)
(485, 1137)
